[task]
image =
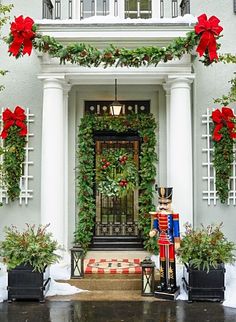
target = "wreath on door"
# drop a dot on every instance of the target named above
(116, 173)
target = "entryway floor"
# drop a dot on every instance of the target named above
(118, 311)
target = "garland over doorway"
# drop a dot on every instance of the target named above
(144, 125)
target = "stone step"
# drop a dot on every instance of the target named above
(107, 283)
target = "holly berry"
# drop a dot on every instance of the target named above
(104, 166)
(121, 183)
(108, 163)
(125, 158)
(104, 160)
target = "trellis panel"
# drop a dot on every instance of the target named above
(209, 193)
(26, 192)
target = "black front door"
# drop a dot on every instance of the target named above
(117, 216)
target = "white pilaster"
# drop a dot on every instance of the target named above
(179, 151)
(65, 100)
(54, 135)
(167, 90)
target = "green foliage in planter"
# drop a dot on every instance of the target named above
(205, 247)
(32, 246)
(13, 158)
(223, 157)
(145, 126)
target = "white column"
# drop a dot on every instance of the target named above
(53, 158)
(179, 151)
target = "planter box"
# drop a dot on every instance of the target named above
(23, 283)
(203, 286)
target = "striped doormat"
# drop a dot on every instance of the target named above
(113, 266)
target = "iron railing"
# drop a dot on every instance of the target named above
(63, 9)
(47, 9)
(185, 7)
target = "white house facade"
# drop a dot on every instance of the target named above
(179, 93)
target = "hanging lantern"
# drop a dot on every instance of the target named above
(115, 107)
(77, 262)
(148, 268)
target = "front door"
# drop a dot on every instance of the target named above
(117, 215)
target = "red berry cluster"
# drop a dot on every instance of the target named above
(123, 183)
(105, 164)
(123, 159)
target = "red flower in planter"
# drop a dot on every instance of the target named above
(209, 30)
(223, 118)
(14, 118)
(23, 34)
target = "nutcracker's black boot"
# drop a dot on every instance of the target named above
(162, 286)
(172, 277)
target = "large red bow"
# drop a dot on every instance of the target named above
(22, 33)
(209, 30)
(223, 118)
(14, 118)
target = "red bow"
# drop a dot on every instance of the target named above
(14, 118)
(221, 119)
(209, 30)
(22, 33)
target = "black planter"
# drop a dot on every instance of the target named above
(24, 283)
(203, 286)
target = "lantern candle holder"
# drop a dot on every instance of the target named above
(148, 268)
(77, 262)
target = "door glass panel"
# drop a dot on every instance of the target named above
(117, 215)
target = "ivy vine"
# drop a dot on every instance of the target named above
(144, 125)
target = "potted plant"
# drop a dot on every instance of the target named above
(27, 254)
(204, 252)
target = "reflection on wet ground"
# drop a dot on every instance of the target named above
(99, 311)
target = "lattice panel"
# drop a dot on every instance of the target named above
(26, 192)
(210, 193)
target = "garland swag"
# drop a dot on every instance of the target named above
(145, 126)
(14, 135)
(24, 36)
(223, 135)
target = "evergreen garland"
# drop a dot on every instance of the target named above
(223, 157)
(13, 158)
(144, 125)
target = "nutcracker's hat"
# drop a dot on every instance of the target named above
(164, 194)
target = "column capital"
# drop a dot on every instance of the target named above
(178, 81)
(55, 81)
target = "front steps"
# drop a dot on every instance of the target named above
(130, 243)
(108, 282)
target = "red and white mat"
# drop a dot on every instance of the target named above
(113, 266)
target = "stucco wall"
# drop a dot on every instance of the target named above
(24, 89)
(211, 82)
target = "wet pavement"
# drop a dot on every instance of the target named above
(117, 311)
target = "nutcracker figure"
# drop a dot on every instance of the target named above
(165, 224)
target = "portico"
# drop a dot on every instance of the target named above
(54, 162)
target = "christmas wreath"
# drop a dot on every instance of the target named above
(116, 173)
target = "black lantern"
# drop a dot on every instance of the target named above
(77, 262)
(148, 267)
(116, 106)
